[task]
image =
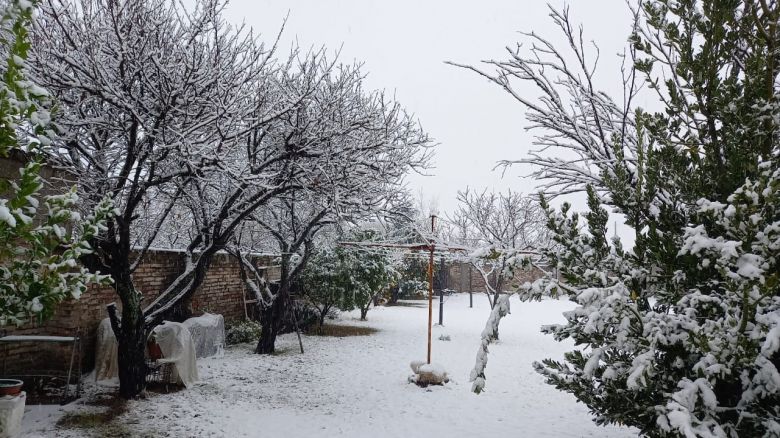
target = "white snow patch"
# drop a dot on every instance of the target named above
(357, 386)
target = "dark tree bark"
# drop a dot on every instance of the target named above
(131, 349)
(323, 314)
(272, 315)
(271, 321)
(394, 294)
(131, 337)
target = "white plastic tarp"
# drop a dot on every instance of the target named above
(208, 334)
(106, 362)
(177, 347)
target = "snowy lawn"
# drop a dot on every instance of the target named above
(357, 386)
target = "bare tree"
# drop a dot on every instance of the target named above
(250, 172)
(584, 135)
(192, 127)
(502, 229)
(149, 96)
(359, 146)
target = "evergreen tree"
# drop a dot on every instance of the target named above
(327, 282)
(679, 336)
(370, 273)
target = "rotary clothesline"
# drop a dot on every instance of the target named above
(431, 247)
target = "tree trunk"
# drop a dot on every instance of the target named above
(323, 314)
(131, 341)
(364, 312)
(394, 294)
(272, 316)
(270, 322)
(132, 365)
(499, 286)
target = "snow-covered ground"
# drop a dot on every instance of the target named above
(357, 386)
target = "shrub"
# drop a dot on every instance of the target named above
(242, 331)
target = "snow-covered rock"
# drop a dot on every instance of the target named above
(428, 373)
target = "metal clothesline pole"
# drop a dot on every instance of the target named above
(431, 248)
(430, 290)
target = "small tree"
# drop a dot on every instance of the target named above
(370, 272)
(412, 276)
(502, 228)
(39, 248)
(327, 283)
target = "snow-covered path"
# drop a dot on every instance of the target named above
(357, 386)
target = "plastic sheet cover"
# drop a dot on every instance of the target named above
(178, 348)
(208, 333)
(106, 362)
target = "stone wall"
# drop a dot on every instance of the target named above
(221, 292)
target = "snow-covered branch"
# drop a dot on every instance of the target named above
(583, 132)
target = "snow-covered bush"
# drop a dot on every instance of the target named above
(412, 278)
(41, 237)
(412, 288)
(370, 273)
(326, 282)
(242, 331)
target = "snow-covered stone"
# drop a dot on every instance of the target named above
(428, 373)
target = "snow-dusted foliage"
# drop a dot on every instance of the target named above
(371, 272)
(242, 331)
(489, 334)
(677, 336)
(694, 348)
(41, 236)
(327, 282)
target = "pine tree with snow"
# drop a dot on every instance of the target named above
(680, 335)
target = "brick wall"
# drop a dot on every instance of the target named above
(221, 292)
(463, 277)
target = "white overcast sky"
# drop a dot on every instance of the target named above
(403, 45)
